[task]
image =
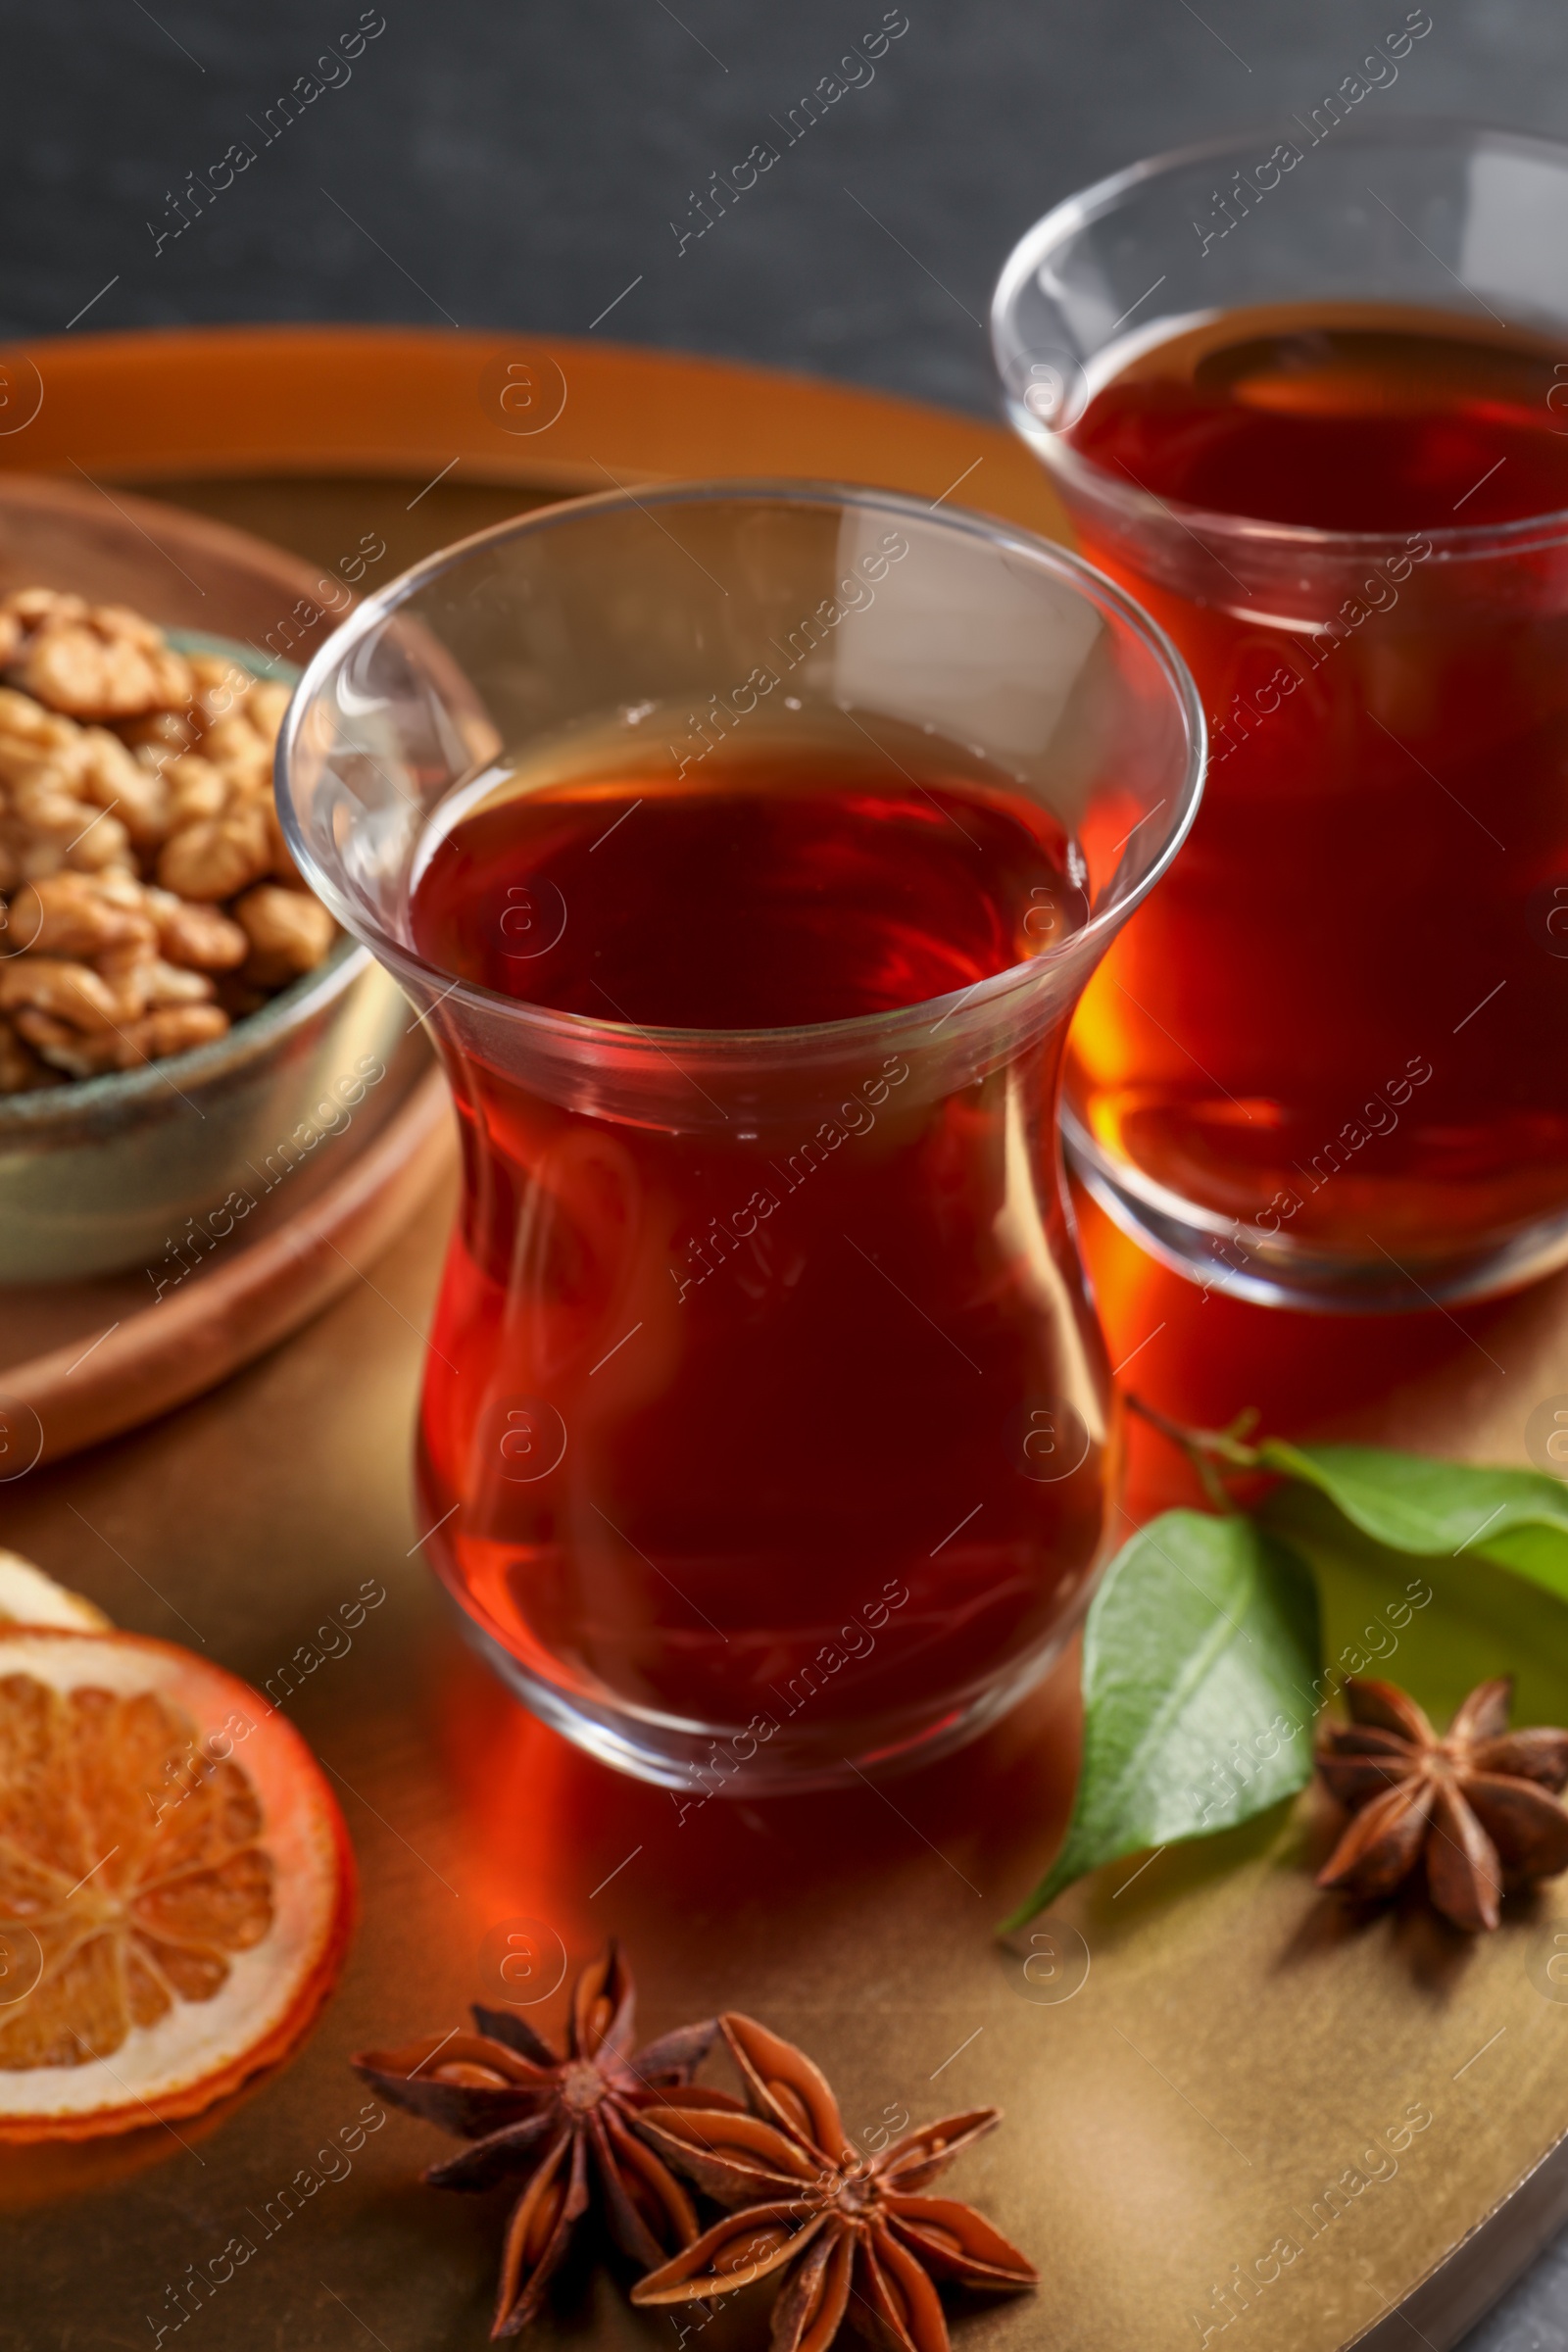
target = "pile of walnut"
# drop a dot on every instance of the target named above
(147, 897)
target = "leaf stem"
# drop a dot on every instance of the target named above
(1208, 1449)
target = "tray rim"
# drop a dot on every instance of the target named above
(397, 400)
(806, 428)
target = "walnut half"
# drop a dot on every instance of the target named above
(90, 660)
(288, 933)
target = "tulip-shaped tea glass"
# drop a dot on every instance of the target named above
(746, 849)
(1306, 398)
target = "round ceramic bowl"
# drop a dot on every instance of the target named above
(141, 1166)
(104, 1174)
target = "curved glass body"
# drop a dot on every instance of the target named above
(765, 1433)
(1325, 1068)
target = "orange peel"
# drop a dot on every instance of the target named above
(176, 1886)
(27, 1596)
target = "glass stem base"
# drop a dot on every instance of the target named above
(1219, 1253)
(792, 1761)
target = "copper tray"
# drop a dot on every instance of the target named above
(1232, 2051)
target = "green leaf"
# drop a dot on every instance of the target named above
(1518, 1518)
(1200, 1652)
(1539, 1552)
(1435, 1626)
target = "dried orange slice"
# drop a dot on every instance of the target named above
(29, 1597)
(177, 1886)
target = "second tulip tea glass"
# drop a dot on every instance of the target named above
(746, 849)
(1306, 396)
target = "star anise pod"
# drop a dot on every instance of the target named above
(1478, 1807)
(844, 2228)
(560, 2124)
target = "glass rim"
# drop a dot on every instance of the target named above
(1101, 197)
(587, 1029)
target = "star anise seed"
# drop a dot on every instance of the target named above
(807, 2204)
(1478, 1807)
(561, 2123)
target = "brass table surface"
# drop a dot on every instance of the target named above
(1234, 2050)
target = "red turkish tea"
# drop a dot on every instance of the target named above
(766, 1416)
(1342, 1017)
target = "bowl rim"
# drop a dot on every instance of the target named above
(38, 1110)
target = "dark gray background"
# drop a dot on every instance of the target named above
(493, 163)
(518, 164)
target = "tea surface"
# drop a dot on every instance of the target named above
(781, 897)
(1384, 425)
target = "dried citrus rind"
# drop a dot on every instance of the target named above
(29, 1597)
(175, 1882)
